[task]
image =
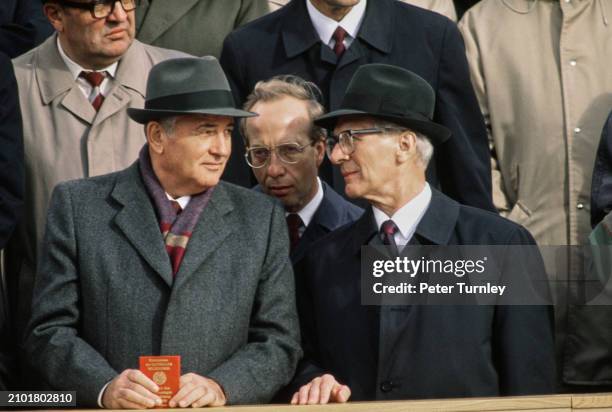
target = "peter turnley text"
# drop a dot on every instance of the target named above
(427, 288)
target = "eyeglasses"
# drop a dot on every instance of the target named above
(101, 9)
(259, 156)
(346, 138)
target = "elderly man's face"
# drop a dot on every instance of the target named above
(286, 121)
(369, 170)
(92, 43)
(193, 156)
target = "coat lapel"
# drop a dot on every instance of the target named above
(160, 16)
(56, 82)
(139, 224)
(298, 33)
(214, 225)
(126, 78)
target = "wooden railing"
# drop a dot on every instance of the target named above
(549, 403)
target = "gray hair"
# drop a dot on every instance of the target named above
(292, 86)
(423, 144)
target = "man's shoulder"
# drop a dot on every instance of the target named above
(251, 200)
(87, 187)
(29, 59)
(268, 25)
(347, 210)
(158, 54)
(486, 227)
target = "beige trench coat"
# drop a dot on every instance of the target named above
(541, 71)
(64, 138)
(444, 7)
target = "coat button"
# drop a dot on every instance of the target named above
(573, 63)
(580, 206)
(386, 386)
(577, 130)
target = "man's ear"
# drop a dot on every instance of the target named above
(155, 136)
(55, 14)
(319, 147)
(406, 146)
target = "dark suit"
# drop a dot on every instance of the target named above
(601, 187)
(285, 42)
(105, 292)
(22, 26)
(333, 212)
(11, 193)
(11, 153)
(400, 352)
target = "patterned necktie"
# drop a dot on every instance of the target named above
(339, 36)
(387, 231)
(95, 79)
(294, 223)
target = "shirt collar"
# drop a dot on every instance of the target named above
(326, 26)
(76, 69)
(183, 200)
(311, 207)
(407, 217)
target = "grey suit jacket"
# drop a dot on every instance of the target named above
(105, 294)
(196, 27)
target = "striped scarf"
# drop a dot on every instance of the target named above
(176, 228)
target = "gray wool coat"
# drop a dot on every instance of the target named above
(104, 293)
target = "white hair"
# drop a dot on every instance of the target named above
(423, 144)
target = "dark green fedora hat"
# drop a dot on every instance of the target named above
(188, 85)
(390, 93)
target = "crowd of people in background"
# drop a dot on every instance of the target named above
(329, 125)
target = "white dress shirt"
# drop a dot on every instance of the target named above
(407, 218)
(75, 69)
(311, 207)
(326, 26)
(182, 201)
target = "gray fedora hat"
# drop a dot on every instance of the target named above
(188, 85)
(391, 93)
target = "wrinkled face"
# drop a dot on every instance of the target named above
(193, 156)
(281, 121)
(92, 43)
(369, 171)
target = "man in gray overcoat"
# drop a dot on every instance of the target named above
(164, 259)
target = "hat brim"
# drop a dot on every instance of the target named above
(144, 116)
(436, 133)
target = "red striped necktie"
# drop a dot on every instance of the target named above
(95, 79)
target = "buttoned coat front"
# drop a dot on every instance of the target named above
(64, 138)
(105, 293)
(419, 351)
(541, 71)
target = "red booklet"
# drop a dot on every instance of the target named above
(165, 371)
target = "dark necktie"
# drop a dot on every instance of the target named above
(339, 36)
(387, 231)
(176, 206)
(95, 79)
(294, 223)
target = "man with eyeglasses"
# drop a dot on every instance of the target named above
(383, 139)
(285, 150)
(326, 41)
(74, 90)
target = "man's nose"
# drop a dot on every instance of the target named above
(222, 145)
(337, 155)
(275, 165)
